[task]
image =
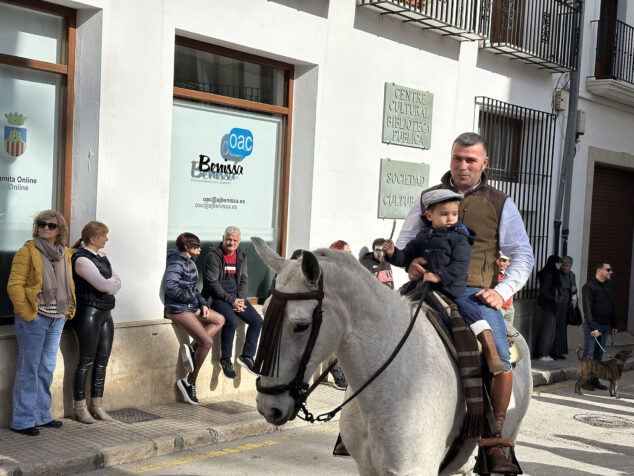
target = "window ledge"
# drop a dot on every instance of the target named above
(613, 89)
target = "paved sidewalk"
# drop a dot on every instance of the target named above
(177, 427)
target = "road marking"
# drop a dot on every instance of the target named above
(211, 454)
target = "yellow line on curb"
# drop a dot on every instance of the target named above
(211, 454)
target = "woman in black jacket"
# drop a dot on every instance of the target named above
(186, 307)
(95, 287)
(548, 301)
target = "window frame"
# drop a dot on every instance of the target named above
(285, 111)
(67, 70)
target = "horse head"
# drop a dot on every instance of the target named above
(294, 340)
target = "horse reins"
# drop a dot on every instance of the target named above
(299, 390)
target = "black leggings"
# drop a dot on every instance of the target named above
(94, 330)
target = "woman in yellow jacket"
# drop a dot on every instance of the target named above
(43, 295)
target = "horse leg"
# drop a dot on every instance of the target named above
(501, 389)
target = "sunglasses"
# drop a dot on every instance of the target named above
(609, 270)
(43, 224)
(194, 246)
(379, 251)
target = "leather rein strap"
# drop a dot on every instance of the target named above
(300, 390)
(297, 388)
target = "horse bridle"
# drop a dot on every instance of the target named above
(297, 389)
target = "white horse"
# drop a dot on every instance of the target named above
(406, 420)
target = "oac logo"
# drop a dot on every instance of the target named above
(236, 145)
(15, 136)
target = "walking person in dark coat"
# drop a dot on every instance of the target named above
(548, 301)
(599, 317)
(568, 290)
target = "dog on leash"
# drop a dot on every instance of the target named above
(610, 370)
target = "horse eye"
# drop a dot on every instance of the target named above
(299, 328)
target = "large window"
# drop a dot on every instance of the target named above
(520, 145)
(229, 160)
(36, 77)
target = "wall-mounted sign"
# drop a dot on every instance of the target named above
(224, 171)
(400, 184)
(407, 115)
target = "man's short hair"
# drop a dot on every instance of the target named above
(567, 260)
(599, 266)
(467, 139)
(377, 242)
(231, 230)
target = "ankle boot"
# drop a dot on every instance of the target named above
(490, 352)
(80, 412)
(501, 389)
(97, 410)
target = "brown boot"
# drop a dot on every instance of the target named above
(80, 412)
(490, 352)
(501, 389)
(97, 410)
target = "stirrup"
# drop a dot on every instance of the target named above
(482, 464)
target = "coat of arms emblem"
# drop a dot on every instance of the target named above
(14, 135)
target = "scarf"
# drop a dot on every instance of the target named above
(55, 277)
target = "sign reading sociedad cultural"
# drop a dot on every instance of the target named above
(407, 115)
(400, 184)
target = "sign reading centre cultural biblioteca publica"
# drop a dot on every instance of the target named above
(407, 115)
(400, 185)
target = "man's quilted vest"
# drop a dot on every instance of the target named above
(480, 211)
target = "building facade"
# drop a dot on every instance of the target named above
(162, 117)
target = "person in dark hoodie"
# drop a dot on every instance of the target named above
(186, 307)
(445, 243)
(225, 281)
(548, 301)
(373, 261)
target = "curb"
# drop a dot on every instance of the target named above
(548, 377)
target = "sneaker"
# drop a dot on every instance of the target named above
(227, 368)
(187, 357)
(247, 363)
(339, 379)
(546, 358)
(188, 390)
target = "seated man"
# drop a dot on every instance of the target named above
(225, 282)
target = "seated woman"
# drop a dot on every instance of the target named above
(42, 291)
(186, 307)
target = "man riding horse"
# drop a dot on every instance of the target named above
(499, 227)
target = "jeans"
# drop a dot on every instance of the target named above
(497, 324)
(591, 349)
(250, 316)
(38, 342)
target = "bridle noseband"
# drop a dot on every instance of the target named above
(267, 359)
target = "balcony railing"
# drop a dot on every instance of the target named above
(615, 51)
(544, 32)
(458, 18)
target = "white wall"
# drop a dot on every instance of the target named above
(343, 57)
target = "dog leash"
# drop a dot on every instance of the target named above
(599, 344)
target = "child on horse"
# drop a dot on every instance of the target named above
(445, 243)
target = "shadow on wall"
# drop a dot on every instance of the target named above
(314, 7)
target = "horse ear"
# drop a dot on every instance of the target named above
(310, 267)
(270, 257)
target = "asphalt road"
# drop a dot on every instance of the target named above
(563, 434)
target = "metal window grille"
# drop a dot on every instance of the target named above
(542, 32)
(458, 18)
(615, 50)
(520, 145)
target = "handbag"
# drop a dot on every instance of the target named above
(573, 315)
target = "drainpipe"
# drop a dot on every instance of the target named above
(562, 205)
